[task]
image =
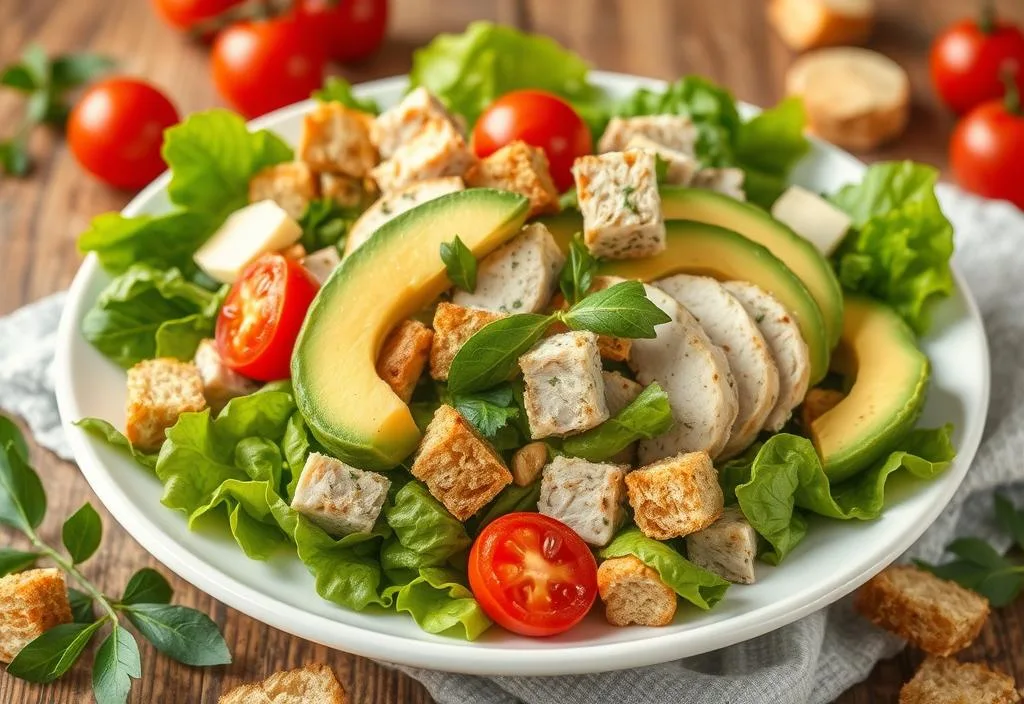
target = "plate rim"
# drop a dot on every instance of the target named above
(457, 655)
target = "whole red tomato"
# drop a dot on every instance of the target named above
(540, 119)
(350, 29)
(183, 14)
(967, 58)
(263, 65)
(116, 129)
(987, 149)
(261, 317)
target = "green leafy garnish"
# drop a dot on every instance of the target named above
(162, 241)
(460, 264)
(488, 411)
(15, 560)
(338, 90)
(82, 533)
(622, 310)
(577, 274)
(648, 416)
(325, 223)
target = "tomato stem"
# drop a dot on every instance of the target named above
(1011, 98)
(987, 17)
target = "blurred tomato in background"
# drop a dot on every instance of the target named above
(350, 30)
(183, 14)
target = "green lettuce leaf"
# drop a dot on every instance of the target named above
(162, 241)
(439, 601)
(212, 156)
(901, 243)
(325, 223)
(701, 588)
(768, 146)
(146, 313)
(648, 416)
(425, 534)
(346, 570)
(338, 90)
(511, 499)
(116, 439)
(775, 483)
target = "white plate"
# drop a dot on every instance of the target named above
(834, 559)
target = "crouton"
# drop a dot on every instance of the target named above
(220, 383)
(337, 139)
(817, 403)
(439, 150)
(160, 390)
(33, 602)
(946, 681)
(403, 357)
(459, 467)
(291, 185)
(312, 684)
(346, 191)
(727, 547)
(632, 593)
(527, 462)
(938, 616)
(521, 168)
(339, 498)
(564, 391)
(586, 496)
(675, 496)
(453, 325)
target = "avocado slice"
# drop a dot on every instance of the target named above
(700, 248)
(397, 272)
(796, 252)
(888, 392)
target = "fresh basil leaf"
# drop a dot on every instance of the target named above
(82, 533)
(12, 561)
(325, 223)
(978, 552)
(73, 70)
(162, 241)
(491, 356)
(147, 586)
(36, 62)
(22, 498)
(338, 90)
(1009, 519)
(18, 77)
(460, 264)
(53, 653)
(117, 664)
(488, 411)
(648, 416)
(12, 439)
(114, 437)
(180, 633)
(81, 606)
(1001, 586)
(622, 310)
(578, 272)
(14, 156)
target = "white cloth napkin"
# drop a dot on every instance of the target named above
(811, 661)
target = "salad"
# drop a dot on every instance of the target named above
(512, 350)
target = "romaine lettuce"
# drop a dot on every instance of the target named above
(648, 416)
(338, 90)
(162, 241)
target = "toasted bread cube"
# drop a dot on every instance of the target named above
(322, 263)
(564, 389)
(673, 131)
(407, 120)
(586, 496)
(220, 383)
(339, 498)
(946, 681)
(439, 150)
(817, 403)
(633, 593)
(938, 616)
(459, 467)
(160, 390)
(620, 204)
(728, 182)
(675, 496)
(727, 547)
(312, 684)
(346, 191)
(337, 139)
(518, 277)
(521, 168)
(680, 167)
(33, 602)
(403, 357)
(292, 186)
(527, 463)
(453, 325)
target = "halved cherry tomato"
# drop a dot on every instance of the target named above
(182, 14)
(538, 118)
(261, 317)
(532, 574)
(350, 30)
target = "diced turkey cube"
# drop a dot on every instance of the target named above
(339, 498)
(521, 168)
(220, 384)
(727, 547)
(337, 139)
(404, 122)
(619, 391)
(586, 496)
(439, 150)
(322, 262)
(673, 131)
(680, 167)
(564, 389)
(728, 182)
(291, 185)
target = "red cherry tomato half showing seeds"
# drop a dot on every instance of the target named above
(967, 58)
(263, 65)
(540, 119)
(261, 317)
(116, 129)
(987, 151)
(532, 574)
(350, 30)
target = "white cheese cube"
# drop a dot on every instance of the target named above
(220, 384)
(339, 498)
(246, 234)
(727, 547)
(812, 217)
(586, 496)
(322, 263)
(564, 389)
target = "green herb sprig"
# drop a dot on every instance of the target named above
(578, 273)
(490, 356)
(647, 416)
(325, 223)
(460, 264)
(181, 633)
(45, 83)
(980, 567)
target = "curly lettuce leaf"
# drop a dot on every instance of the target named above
(116, 439)
(162, 241)
(346, 570)
(777, 482)
(440, 602)
(425, 534)
(767, 147)
(901, 243)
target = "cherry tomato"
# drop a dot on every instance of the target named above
(966, 60)
(350, 30)
(182, 14)
(261, 317)
(263, 65)
(532, 574)
(116, 129)
(987, 149)
(540, 119)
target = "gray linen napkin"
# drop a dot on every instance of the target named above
(811, 661)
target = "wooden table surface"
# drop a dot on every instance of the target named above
(41, 216)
